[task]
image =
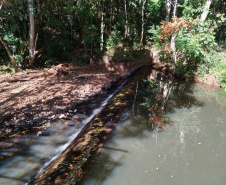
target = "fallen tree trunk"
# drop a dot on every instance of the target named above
(55, 70)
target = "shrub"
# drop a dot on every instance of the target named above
(193, 41)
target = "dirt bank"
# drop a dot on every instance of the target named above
(30, 99)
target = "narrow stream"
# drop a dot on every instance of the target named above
(171, 133)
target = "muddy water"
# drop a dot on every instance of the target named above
(184, 144)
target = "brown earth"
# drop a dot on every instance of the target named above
(30, 99)
(209, 79)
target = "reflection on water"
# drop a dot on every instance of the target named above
(173, 133)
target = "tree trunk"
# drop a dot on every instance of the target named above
(165, 89)
(175, 9)
(168, 9)
(102, 32)
(142, 20)
(206, 10)
(126, 17)
(31, 33)
(172, 43)
(13, 61)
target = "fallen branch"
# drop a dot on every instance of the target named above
(54, 70)
(27, 78)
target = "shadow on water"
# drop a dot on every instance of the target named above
(106, 169)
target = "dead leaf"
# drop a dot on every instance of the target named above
(48, 124)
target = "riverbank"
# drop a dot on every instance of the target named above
(31, 100)
(27, 105)
(212, 74)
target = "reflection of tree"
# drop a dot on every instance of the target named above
(183, 98)
(165, 90)
(160, 97)
(187, 122)
(164, 96)
(159, 91)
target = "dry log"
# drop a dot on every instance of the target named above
(55, 70)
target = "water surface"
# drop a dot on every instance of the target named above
(186, 144)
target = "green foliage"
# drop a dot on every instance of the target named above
(155, 31)
(4, 59)
(59, 47)
(221, 29)
(155, 12)
(18, 48)
(127, 53)
(218, 67)
(66, 26)
(192, 9)
(12, 31)
(223, 80)
(193, 44)
(193, 47)
(82, 60)
(91, 37)
(113, 40)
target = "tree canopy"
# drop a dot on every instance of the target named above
(43, 32)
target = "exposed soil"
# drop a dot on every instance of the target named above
(28, 104)
(209, 79)
(30, 99)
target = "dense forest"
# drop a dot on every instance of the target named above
(189, 34)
